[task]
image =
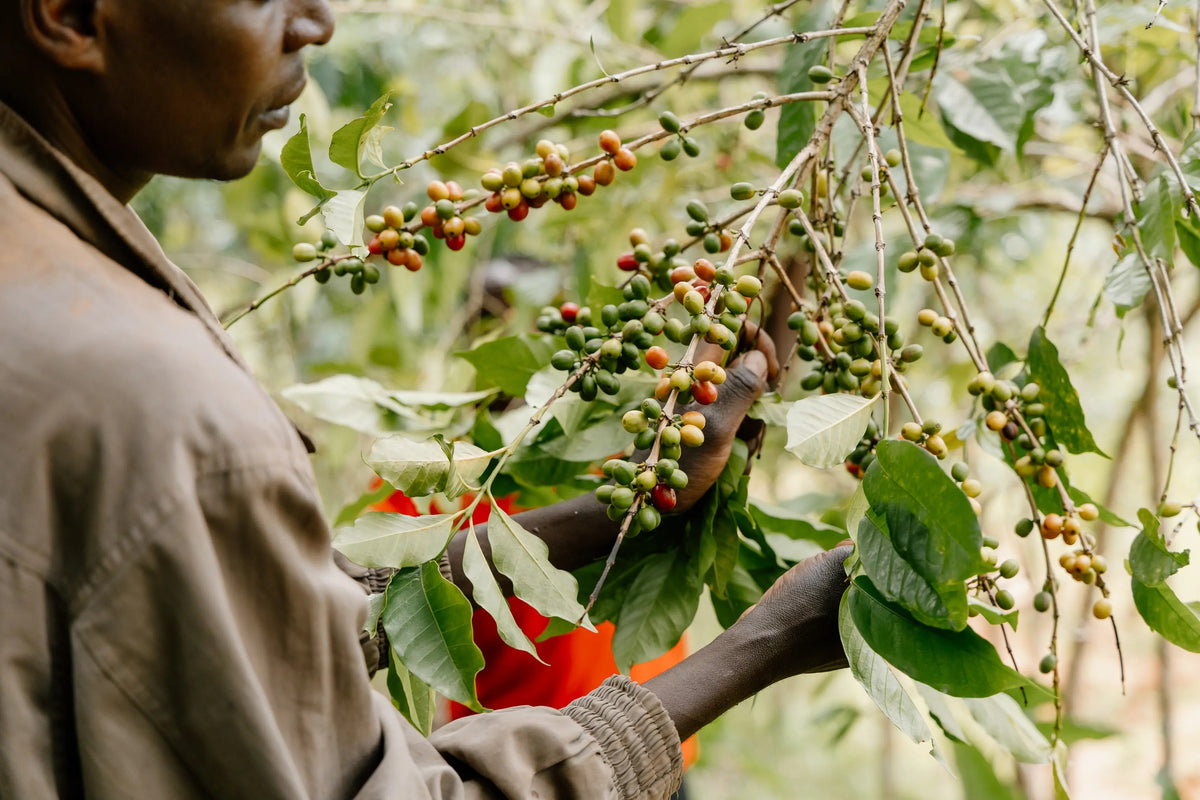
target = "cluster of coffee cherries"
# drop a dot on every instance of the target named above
(1002, 400)
(649, 487)
(891, 160)
(701, 225)
(863, 455)
(841, 342)
(693, 288)
(993, 569)
(679, 143)
(443, 217)
(926, 257)
(599, 347)
(547, 177)
(360, 273)
(392, 241)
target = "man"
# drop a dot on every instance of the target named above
(172, 624)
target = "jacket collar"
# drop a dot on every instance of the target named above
(52, 181)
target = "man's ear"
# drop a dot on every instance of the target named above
(65, 32)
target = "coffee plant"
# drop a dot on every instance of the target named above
(862, 250)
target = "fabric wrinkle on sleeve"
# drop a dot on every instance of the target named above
(636, 736)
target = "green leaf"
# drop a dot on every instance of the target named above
(1080, 497)
(924, 128)
(927, 519)
(510, 362)
(1167, 615)
(695, 22)
(660, 604)
(486, 592)
(428, 622)
(524, 559)
(296, 160)
(1152, 563)
(384, 539)
(986, 107)
(724, 532)
(343, 214)
(998, 356)
(358, 403)
(1064, 414)
(959, 663)
(777, 519)
(1127, 284)
(414, 698)
(375, 606)
(352, 510)
(943, 605)
(881, 684)
(770, 408)
(347, 144)
(422, 468)
(978, 777)
(1156, 219)
(1059, 769)
(797, 121)
(1003, 719)
(824, 429)
(992, 614)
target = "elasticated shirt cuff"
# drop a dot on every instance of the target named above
(636, 736)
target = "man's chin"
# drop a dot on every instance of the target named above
(231, 166)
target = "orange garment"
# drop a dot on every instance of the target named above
(576, 662)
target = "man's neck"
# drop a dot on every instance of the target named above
(50, 115)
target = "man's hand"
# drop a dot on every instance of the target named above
(792, 630)
(747, 376)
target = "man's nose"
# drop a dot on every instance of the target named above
(310, 23)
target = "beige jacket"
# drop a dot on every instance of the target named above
(172, 624)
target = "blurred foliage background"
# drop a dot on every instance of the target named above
(456, 64)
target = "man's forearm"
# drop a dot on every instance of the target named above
(577, 531)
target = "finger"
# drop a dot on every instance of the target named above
(754, 337)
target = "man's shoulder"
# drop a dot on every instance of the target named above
(89, 344)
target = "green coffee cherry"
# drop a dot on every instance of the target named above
(820, 74)
(304, 251)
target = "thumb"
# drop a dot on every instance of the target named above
(745, 380)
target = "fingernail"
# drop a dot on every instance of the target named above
(756, 361)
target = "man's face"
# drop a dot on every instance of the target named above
(190, 86)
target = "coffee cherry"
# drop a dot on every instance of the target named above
(603, 174)
(860, 280)
(908, 261)
(691, 436)
(1042, 601)
(663, 497)
(1024, 527)
(926, 317)
(657, 357)
(610, 142)
(748, 286)
(1102, 609)
(1052, 525)
(972, 487)
(634, 421)
(1048, 663)
(995, 420)
(1088, 512)
(892, 157)
(911, 431)
(1169, 508)
(648, 518)
(820, 74)
(942, 326)
(936, 445)
(1005, 600)
(625, 159)
(790, 198)
(304, 251)
(755, 119)
(960, 471)
(704, 393)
